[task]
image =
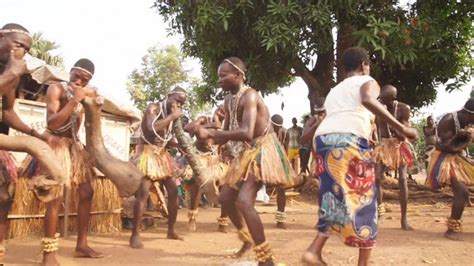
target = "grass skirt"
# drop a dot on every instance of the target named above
(266, 160)
(393, 153)
(347, 195)
(155, 162)
(445, 166)
(74, 160)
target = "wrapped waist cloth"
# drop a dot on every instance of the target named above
(74, 160)
(443, 166)
(392, 153)
(155, 162)
(347, 195)
(266, 160)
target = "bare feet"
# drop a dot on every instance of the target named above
(87, 252)
(49, 259)
(246, 246)
(135, 241)
(406, 226)
(453, 236)
(311, 259)
(281, 225)
(222, 228)
(174, 235)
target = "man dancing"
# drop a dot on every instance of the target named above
(15, 41)
(430, 138)
(259, 157)
(393, 150)
(64, 117)
(449, 167)
(154, 161)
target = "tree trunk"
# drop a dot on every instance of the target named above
(38, 149)
(123, 174)
(344, 41)
(319, 80)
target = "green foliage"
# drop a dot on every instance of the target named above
(420, 144)
(414, 48)
(41, 48)
(162, 70)
(420, 48)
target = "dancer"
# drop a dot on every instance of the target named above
(154, 161)
(449, 167)
(347, 194)
(393, 151)
(258, 156)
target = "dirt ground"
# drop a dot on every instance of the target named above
(423, 246)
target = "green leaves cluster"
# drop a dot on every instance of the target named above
(161, 70)
(415, 47)
(42, 48)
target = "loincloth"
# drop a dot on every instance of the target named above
(347, 195)
(155, 162)
(72, 157)
(266, 160)
(443, 166)
(393, 153)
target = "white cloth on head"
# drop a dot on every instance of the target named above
(344, 110)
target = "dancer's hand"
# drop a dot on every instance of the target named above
(203, 133)
(79, 92)
(176, 110)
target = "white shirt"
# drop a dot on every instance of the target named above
(345, 112)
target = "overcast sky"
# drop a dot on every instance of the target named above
(116, 34)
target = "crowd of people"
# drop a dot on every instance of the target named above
(352, 137)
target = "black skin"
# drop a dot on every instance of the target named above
(452, 142)
(306, 137)
(387, 97)
(430, 134)
(313, 255)
(173, 105)
(13, 47)
(281, 196)
(59, 110)
(253, 118)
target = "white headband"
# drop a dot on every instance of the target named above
(235, 66)
(83, 69)
(469, 111)
(276, 124)
(15, 31)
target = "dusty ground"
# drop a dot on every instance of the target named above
(425, 245)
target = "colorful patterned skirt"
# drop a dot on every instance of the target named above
(347, 195)
(72, 157)
(8, 168)
(155, 162)
(445, 166)
(266, 160)
(393, 153)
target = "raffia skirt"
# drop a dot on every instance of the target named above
(155, 162)
(74, 160)
(445, 166)
(266, 160)
(393, 153)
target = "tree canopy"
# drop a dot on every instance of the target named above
(414, 47)
(161, 70)
(41, 48)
